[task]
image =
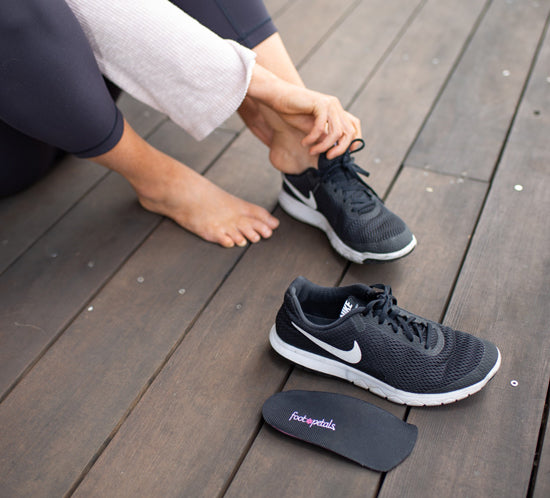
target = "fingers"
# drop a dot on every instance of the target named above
(318, 130)
(327, 124)
(333, 129)
(351, 132)
(328, 127)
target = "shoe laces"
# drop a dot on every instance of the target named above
(342, 173)
(384, 306)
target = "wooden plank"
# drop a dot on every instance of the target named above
(358, 44)
(31, 317)
(417, 66)
(236, 180)
(307, 470)
(442, 213)
(189, 430)
(51, 282)
(175, 142)
(542, 483)
(121, 344)
(142, 118)
(443, 218)
(301, 28)
(275, 6)
(29, 214)
(246, 162)
(465, 132)
(485, 445)
(65, 408)
(127, 445)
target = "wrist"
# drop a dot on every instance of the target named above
(265, 87)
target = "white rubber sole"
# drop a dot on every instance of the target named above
(361, 379)
(304, 213)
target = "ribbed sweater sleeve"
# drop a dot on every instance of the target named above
(164, 58)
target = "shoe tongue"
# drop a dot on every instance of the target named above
(336, 174)
(350, 304)
(323, 162)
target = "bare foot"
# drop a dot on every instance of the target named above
(201, 207)
(168, 187)
(286, 152)
(288, 156)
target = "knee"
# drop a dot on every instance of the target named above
(24, 160)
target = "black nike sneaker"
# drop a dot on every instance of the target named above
(358, 333)
(335, 199)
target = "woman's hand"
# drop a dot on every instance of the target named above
(326, 124)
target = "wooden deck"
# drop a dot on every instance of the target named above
(134, 357)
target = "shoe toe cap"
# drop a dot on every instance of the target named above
(383, 241)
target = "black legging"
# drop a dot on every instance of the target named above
(245, 21)
(52, 94)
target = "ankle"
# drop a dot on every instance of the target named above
(291, 163)
(155, 184)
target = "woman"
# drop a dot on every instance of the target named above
(158, 52)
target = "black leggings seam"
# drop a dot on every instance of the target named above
(242, 37)
(91, 152)
(243, 40)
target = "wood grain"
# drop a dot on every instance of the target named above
(501, 291)
(25, 217)
(79, 254)
(350, 53)
(55, 279)
(443, 219)
(465, 132)
(65, 408)
(142, 118)
(144, 373)
(189, 430)
(299, 24)
(418, 65)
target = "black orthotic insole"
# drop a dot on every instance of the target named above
(350, 427)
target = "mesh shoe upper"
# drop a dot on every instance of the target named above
(355, 212)
(399, 348)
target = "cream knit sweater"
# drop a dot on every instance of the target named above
(166, 59)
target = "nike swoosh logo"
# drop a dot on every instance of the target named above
(350, 356)
(308, 201)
